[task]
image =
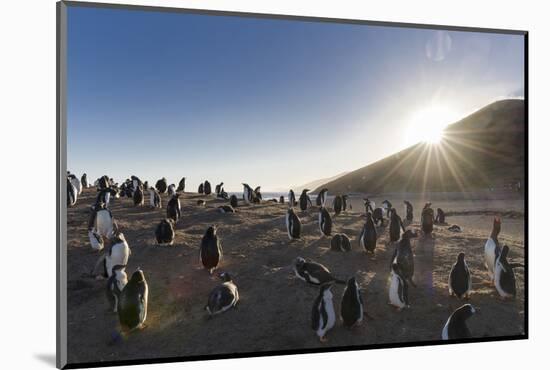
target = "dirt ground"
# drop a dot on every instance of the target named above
(274, 310)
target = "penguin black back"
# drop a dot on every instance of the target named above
(304, 200)
(459, 278)
(210, 250)
(233, 201)
(351, 307)
(456, 327)
(337, 204)
(173, 209)
(132, 305)
(325, 222)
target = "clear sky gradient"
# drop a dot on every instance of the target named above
(275, 103)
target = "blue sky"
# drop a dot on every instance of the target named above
(275, 103)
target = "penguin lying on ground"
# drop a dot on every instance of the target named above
(351, 307)
(454, 228)
(323, 316)
(460, 280)
(115, 285)
(165, 232)
(313, 272)
(505, 279)
(223, 297)
(455, 327)
(211, 251)
(368, 235)
(226, 209)
(340, 243)
(325, 222)
(201, 202)
(132, 303)
(293, 224)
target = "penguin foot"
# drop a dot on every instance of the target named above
(323, 339)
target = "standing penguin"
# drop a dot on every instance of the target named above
(386, 204)
(399, 288)
(396, 225)
(505, 279)
(171, 189)
(164, 232)
(408, 211)
(211, 250)
(291, 198)
(323, 316)
(340, 243)
(304, 200)
(460, 280)
(257, 195)
(154, 198)
(337, 204)
(118, 253)
(132, 305)
(282, 199)
(427, 219)
(351, 307)
(345, 202)
(325, 222)
(201, 188)
(321, 197)
(96, 241)
(77, 184)
(404, 257)
(455, 327)
(313, 273)
(138, 196)
(72, 194)
(233, 201)
(223, 297)
(492, 247)
(116, 284)
(181, 185)
(440, 217)
(293, 224)
(104, 195)
(248, 194)
(173, 209)
(219, 188)
(162, 185)
(368, 235)
(84, 180)
(207, 188)
(102, 220)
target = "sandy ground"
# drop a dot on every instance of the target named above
(274, 311)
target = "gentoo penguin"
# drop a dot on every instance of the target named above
(408, 211)
(116, 284)
(154, 198)
(313, 272)
(223, 194)
(505, 279)
(104, 195)
(291, 198)
(351, 307)
(162, 185)
(337, 204)
(321, 197)
(399, 288)
(368, 235)
(293, 224)
(248, 195)
(257, 195)
(460, 280)
(132, 304)
(304, 200)
(233, 201)
(282, 199)
(135, 182)
(492, 247)
(454, 228)
(76, 183)
(440, 217)
(72, 194)
(455, 327)
(102, 219)
(181, 185)
(378, 216)
(223, 297)
(396, 225)
(84, 180)
(201, 202)
(103, 182)
(207, 188)
(218, 188)
(340, 243)
(173, 209)
(325, 222)
(427, 219)
(226, 209)
(386, 204)
(96, 240)
(323, 316)
(211, 250)
(118, 253)
(138, 196)
(171, 189)
(345, 202)
(404, 257)
(165, 232)
(201, 188)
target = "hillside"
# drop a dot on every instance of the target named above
(483, 150)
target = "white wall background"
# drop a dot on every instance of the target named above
(27, 211)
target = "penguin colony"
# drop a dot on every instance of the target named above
(128, 297)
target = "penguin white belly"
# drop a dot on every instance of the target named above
(321, 223)
(119, 256)
(287, 221)
(362, 239)
(360, 307)
(331, 316)
(490, 248)
(104, 223)
(395, 299)
(151, 199)
(445, 331)
(107, 198)
(95, 240)
(499, 269)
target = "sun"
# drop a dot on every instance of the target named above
(427, 125)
